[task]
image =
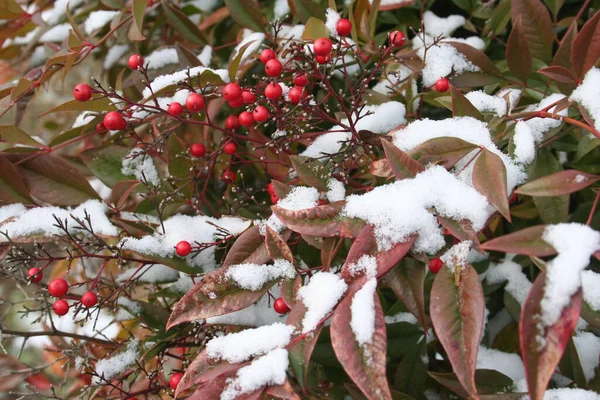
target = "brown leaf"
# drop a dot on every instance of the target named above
(489, 178)
(381, 169)
(541, 361)
(537, 27)
(277, 246)
(445, 150)
(586, 47)
(402, 165)
(406, 281)
(558, 74)
(462, 230)
(517, 51)
(457, 310)
(527, 241)
(201, 371)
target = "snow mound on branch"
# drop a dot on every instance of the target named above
(320, 296)
(195, 229)
(240, 346)
(161, 57)
(40, 220)
(336, 190)
(163, 81)
(254, 276)
(269, 369)
(487, 103)
(587, 95)
(141, 166)
(256, 38)
(457, 255)
(109, 368)
(438, 26)
(397, 77)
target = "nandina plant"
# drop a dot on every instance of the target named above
(299, 199)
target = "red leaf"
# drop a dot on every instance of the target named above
(406, 281)
(540, 362)
(517, 51)
(402, 165)
(586, 47)
(537, 27)
(462, 230)
(558, 183)
(277, 246)
(559, 74)
(284, 391)
(489, 178)
(527, 241)
(447, 150)
(211, 389)
(320, 221)
(301, 351)
(200, 371)
(365, 365)
(457, 310)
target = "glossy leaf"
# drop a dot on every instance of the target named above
(559, 74)
(402, 165)
(586, 47)
(201, 371)
(542, 347)
(489, 178)
(526, 241)
(457, 313)
(246, 13)
(518, 56)
(277, 246)
(537, 27)
(138, 9)
(559, 183)
(314, 29)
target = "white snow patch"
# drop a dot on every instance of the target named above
(332, 18)
(115, 54)
(299, 198)
(362, 311)
(256, 38)
(254, 276)
(109, 368)
(518, 285)
(401, 317)
(591, 287)
(587, 94)
(141, 166)
(319, 296)
(337, 190)
(281, 8)
(161, 57)
(97, 19)
(10, 211)
(153, 273)
(438, 26)
(457, 255)
(509, 364)
(487, 103)
(588, 349)
(366, 265)
(163, 81)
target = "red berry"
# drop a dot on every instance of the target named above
(322, 47)
(297, 94)
(35, 274)
(513, 198)
(175, 379)
(435, 264)
(248, 97)
(175, 109)
(271, 189)
(280, 307)
(194, 102)
(135, 61)
(82, 92)
(273, 91)
(228, 176)
(183, 248)
(60, 307)
(230, 148)
(246, 119)
(397, 38)
(260, 114)
(321, 202)
(273, 67)
(114, 121)
(100, 128)
(232, 122)
(89, 299)
(198, 150)
(58, 287)
(266, 55)
(322, 59)
(232, 91)
(442, 85)
(274, 199)
(301, 80)
(237, 103)
(344, 27)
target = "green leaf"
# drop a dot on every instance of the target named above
(247, 14)
(304, 9)
(402, 165)
(312, 172)
(314, 29)
(406, 281)
(559, 183)
(106, 164)
(552, 209)
(537, 27)
(12, 188)
(138, 9)
(554, 6)
(488, 381)
(179, 165)
(98, 104)
(489, 178)
(234, 65)
(517, 52)
(22, 86)
(462, 107)
(12, 134)
(10, 9)
(182, 24)
(411, 374)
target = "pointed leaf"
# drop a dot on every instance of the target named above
(138, 9)
(314, 29)
(559, 183)
(476, 57)
(457, 313)
(553, 210)
(98, 104)
(301, 351)
(12, 134)
(277, 246)
(182, 24)
(559, 74)
(489, 178)
(406, 281)
(201, 371)
(12, 187)
(312, 172)
(586, 47)
(247, 14)
(517, 52)
(542, 347)
(402, 165)
(462, 230)
(563, 54)
(527, 241)
(447, 150)
(462, 107)
(537, 27)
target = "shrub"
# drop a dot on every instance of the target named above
(377, 199)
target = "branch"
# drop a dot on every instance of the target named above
(57, 333)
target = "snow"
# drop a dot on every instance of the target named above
(380, 119)
(153, 273)
(183, 284)
(401, 317)
(161, 57)
(362, 310)
(83, 119)
(487, 103)
(509, 364)
(366, 265)
(337, 190)
(569, 394)
(258, 314)
(514, 95)
(524, 142)
(587, 94)
(539, 126)
(256, 38)
(588, 349)
(401, 209)
(11, 210)
(320, 296)
(269, 369)
(140, 165)
(97, 19)
(591, 287)
(281, 8)
(254, 276)
(114, 55)
(40, 220)
(332, 18)
(205, 55)
(103, 191)
(57, 13)
(518, 285)
(299, 198)
(201, 229)
(457, 255)
(575, 243)
(466, 128)
(437, 26)
(57, 33)
(240, 346)
(204, 5)
(163, 81)
(397, 77)
(131, 307)
(109, 368)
